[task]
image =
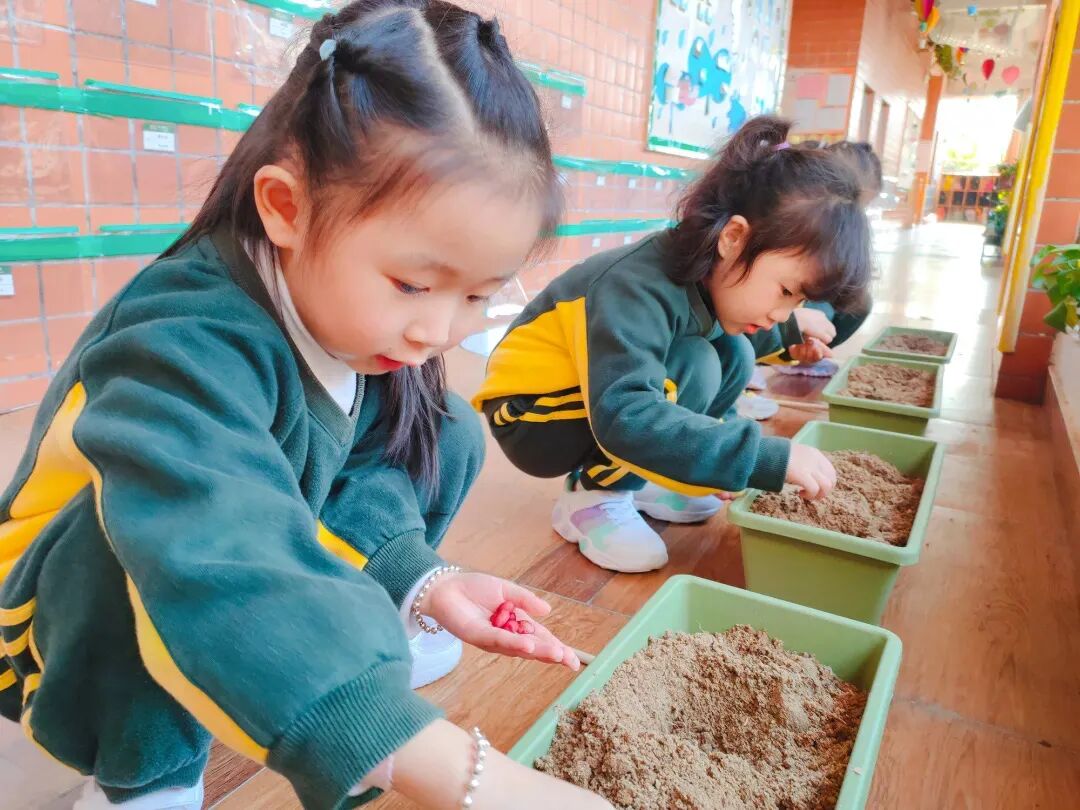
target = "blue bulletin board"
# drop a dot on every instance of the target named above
(716, 63)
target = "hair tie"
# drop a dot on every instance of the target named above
(326, 50)
(781, 146)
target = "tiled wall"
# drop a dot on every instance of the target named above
(874, 43)
(63, 169)
(1023, 372)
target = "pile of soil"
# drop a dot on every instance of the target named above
(871, 499)
(907, 386)
(712, 721)
(916, 344)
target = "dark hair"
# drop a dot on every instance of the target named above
(389, 98)
(795, 198)
(866, 163)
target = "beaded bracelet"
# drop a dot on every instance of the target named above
(415, 609)
(482, 746)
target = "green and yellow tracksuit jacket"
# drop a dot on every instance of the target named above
(593, 346)
(177, 553)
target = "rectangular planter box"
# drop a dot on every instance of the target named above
(874, 413)
(864, 655)
(838, 573)
(948, 338)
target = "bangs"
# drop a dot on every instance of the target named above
(834, 235)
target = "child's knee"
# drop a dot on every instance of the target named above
(739, 362)
(461, 437)
(696, 371)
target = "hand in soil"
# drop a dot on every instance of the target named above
(811, 471)
(810, 352)
(813, 323)
(464, 605)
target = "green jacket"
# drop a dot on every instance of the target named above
(177, 553)
(600, 333)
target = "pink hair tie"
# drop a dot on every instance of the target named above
(781, 146)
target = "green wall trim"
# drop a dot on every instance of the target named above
(654, 170)
(588, 227)
(85, 246)
(23, 73)
(29, 230)
(309, 11)
(150, 239)
(677, 145)
(152, 92)
(121, 104)
(115, 100)
(145, 227)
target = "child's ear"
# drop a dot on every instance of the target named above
(279, 199)
(733, 237)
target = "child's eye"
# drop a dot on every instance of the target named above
(479, 299)
(408, 289)
(787, 293)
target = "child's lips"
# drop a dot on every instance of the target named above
(751, 329)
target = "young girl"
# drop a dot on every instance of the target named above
(813, 330)
(625, 369)
(236, 485)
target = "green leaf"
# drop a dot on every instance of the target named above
(1058, 317)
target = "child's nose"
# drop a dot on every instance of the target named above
(433, 330)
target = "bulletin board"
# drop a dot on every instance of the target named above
(716, 63)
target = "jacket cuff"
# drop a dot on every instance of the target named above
(330, 747)
(400, 562)
(770, 469)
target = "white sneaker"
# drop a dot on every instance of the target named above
(608, 530)
(757, 380)
(756, 406)
(93, 798)
(433, 656)
(663, 504)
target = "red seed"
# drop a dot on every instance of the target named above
(501, 617)
(507, 605)
(525, 627)
(512, 626)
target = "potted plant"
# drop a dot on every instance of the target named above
(1057, 271)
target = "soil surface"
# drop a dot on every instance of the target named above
(712, 721)
(917, 344)
(907, 386)
(871, 499)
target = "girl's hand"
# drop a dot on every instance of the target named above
(814, 323)
(810, 352)
(811, 470)
(463, 604)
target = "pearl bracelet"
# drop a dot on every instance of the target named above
(482, 746)
(415, 609)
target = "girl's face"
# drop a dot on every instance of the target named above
(768, 294)
(404, 284)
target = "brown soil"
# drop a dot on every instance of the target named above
(712, 721)
(872, 499)
(906, 386)
(917, 344)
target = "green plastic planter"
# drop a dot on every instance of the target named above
(949, 338)
(874, 413)
(866, 656)
(838, 573)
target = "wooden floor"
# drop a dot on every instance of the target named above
(987, 706)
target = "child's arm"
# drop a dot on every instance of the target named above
(442, 753)
(282, 652)
(621, 354)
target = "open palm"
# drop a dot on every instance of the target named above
(463, 604)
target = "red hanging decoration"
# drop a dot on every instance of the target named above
(988, 68)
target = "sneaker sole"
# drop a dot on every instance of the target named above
(571, 534)
(436, 667)
(660, 512)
